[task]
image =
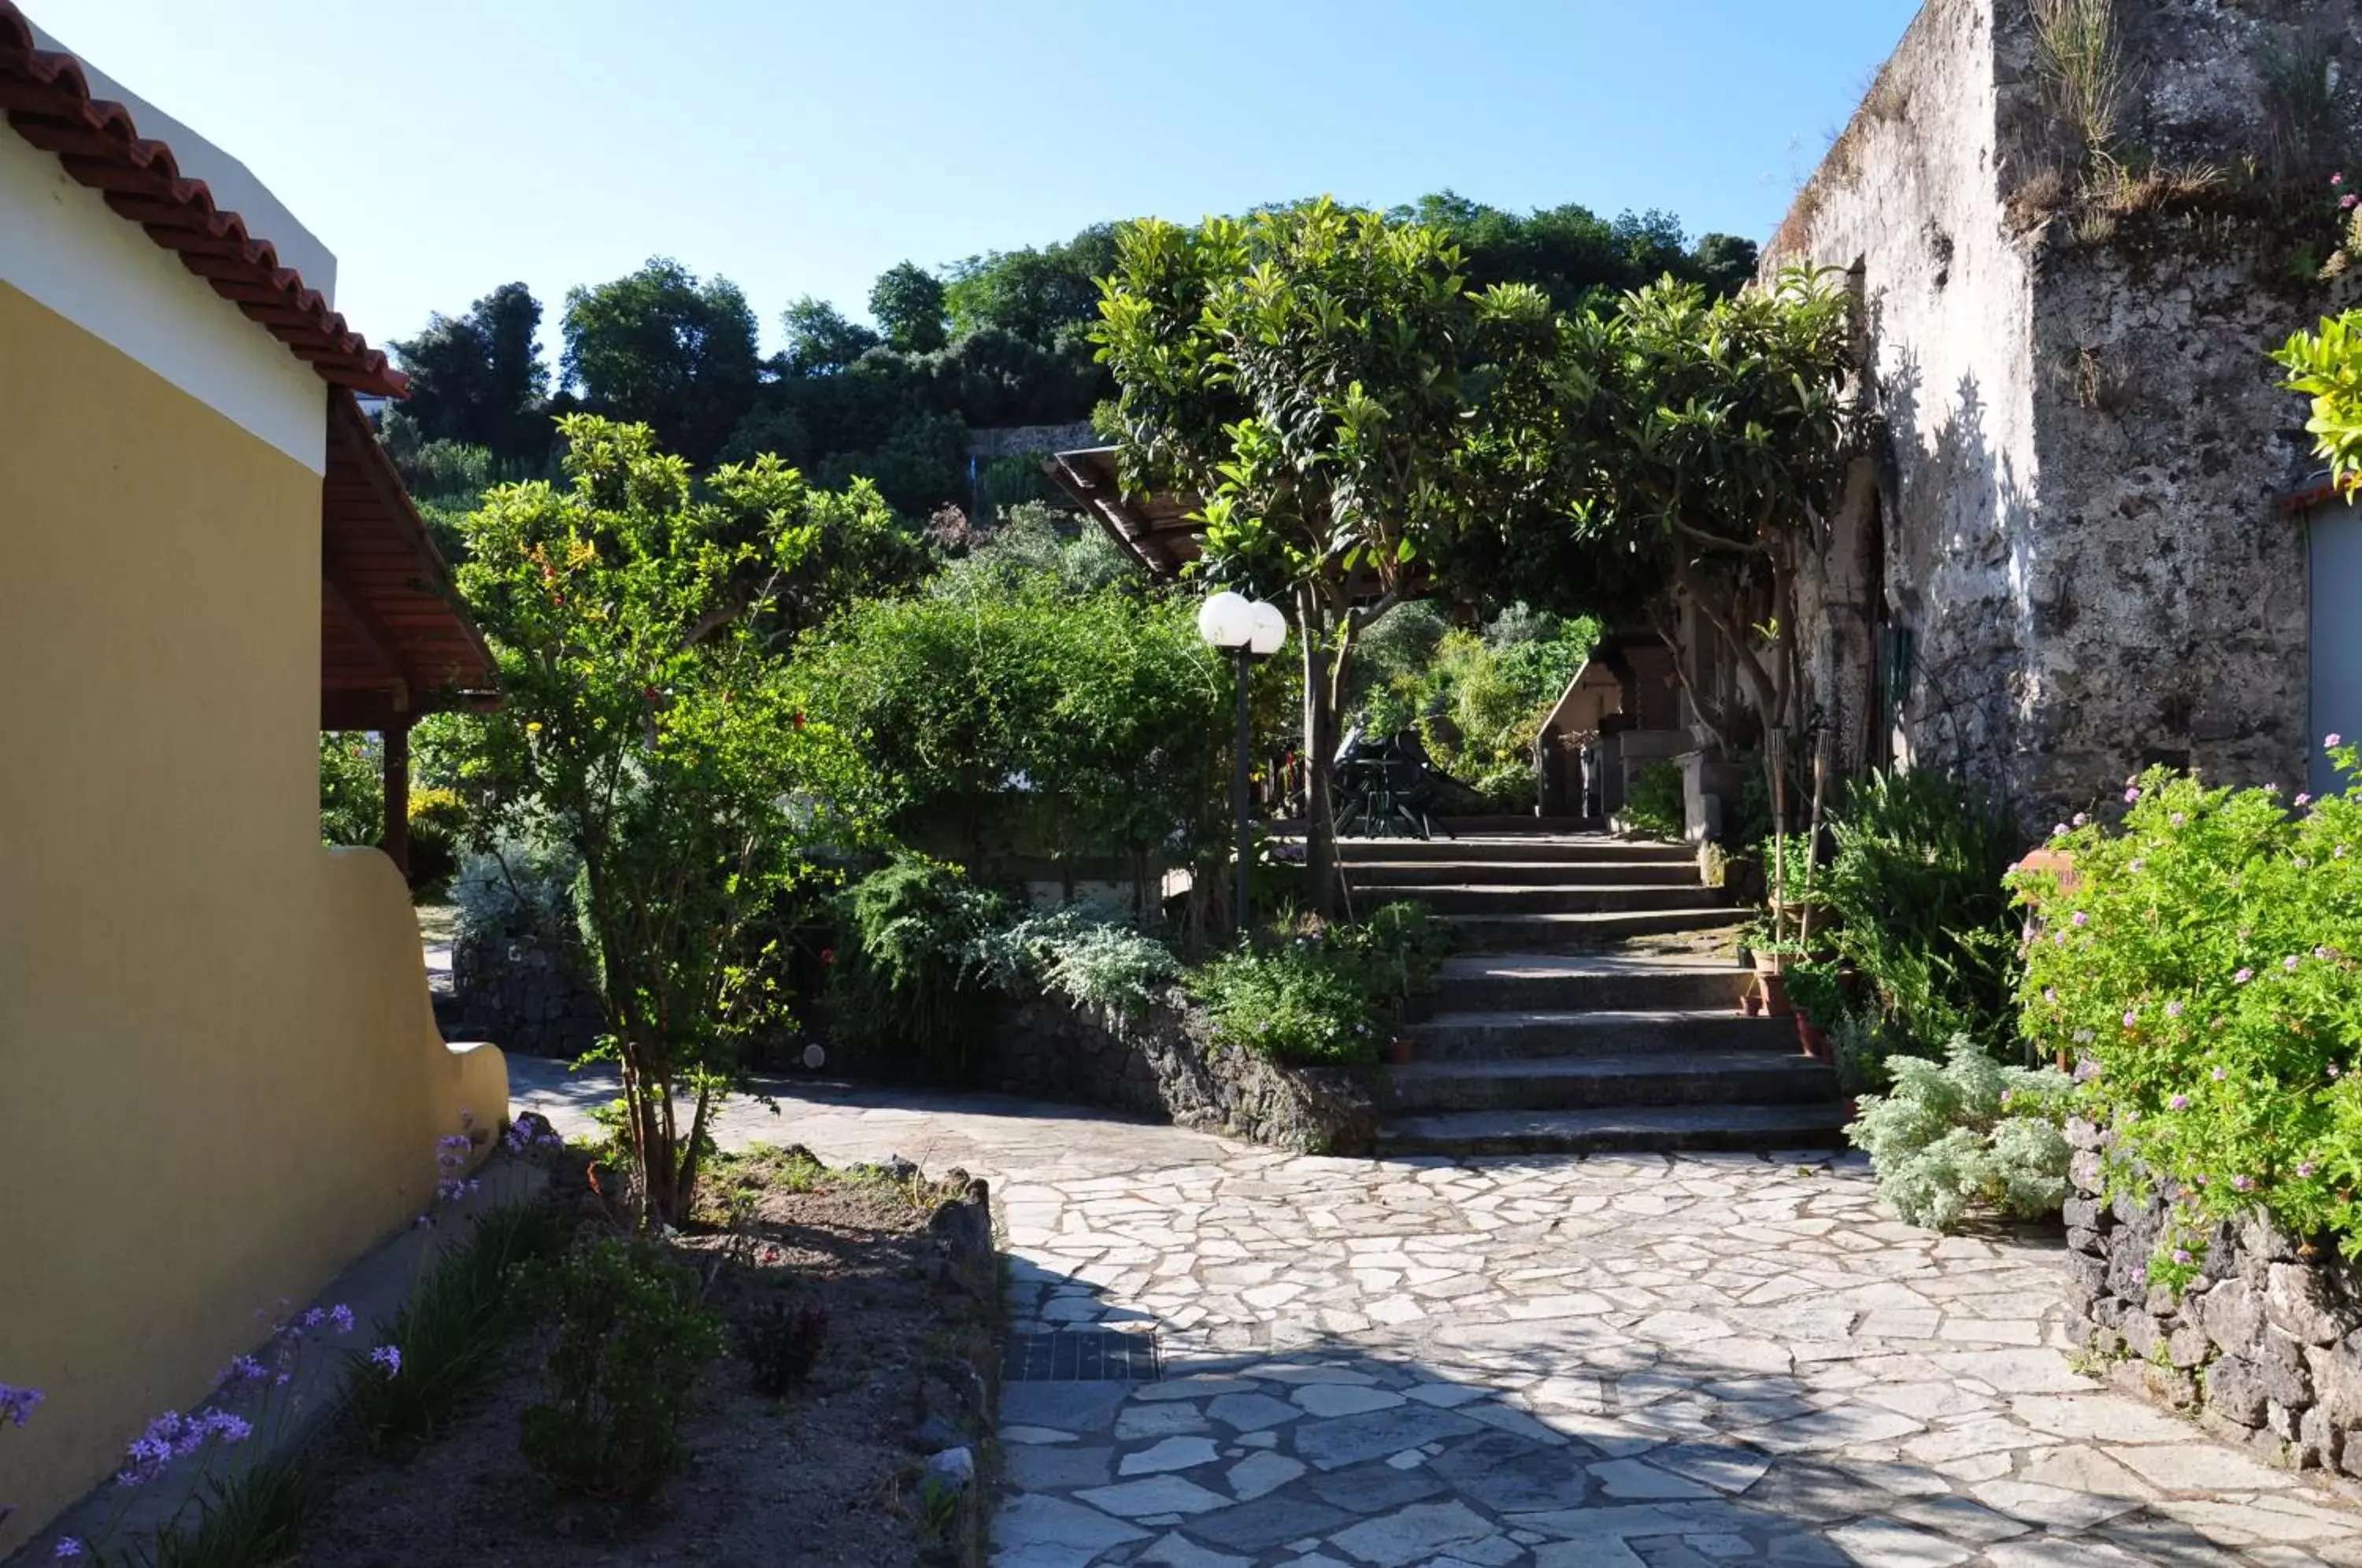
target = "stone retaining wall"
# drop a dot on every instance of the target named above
(2265, 1345)
(1165, 1066)
(516, 993)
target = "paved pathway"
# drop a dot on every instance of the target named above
(1673, 1361)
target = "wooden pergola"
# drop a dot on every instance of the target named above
(1157, 530)
(395, 642)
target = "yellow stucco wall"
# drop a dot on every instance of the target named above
(220, 1078)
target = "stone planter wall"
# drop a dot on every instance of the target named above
(520, 995)
(2266, 1346)
(1165, 1067)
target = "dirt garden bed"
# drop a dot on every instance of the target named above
(901, 1271)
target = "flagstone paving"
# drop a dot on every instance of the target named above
(1671, 1360)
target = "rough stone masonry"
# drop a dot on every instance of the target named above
(2073, 560)
(2266, 1340)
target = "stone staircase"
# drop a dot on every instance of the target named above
(1592, 1008)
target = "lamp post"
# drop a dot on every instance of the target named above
(1251, 630)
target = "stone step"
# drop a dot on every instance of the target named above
(1524, 1036)
(1509, 900)
(1516, 822)
(1566, 932)
(1620, 1078)
(1526, 873)
(1569, 849)
(1549, 982)
(1616, 1129)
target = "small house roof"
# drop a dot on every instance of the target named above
(47, 99)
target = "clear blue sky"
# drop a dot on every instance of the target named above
(443, 147)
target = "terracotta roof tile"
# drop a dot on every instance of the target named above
(46, 100)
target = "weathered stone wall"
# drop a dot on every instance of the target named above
(2083, 442)
(1909, 201)
(522, 996)
(2265, 1345)
(1165, 1065)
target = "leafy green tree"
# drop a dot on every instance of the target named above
(478, 379)
(908, 301)
(1721, 435)
(821, 339)
(1581, 260)
(1310, 374)
(663, 349)
(647, 728)
(1033, 294)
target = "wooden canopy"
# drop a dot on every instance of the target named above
(394, 642)
(1157, 530)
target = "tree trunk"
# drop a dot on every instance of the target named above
(1319, 724)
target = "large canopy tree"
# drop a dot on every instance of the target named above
(478, 378)
(665, 349)
(1315, 375)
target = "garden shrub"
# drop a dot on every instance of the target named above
(1655, 803)
(631, 1341)
(1917, 903)
(1966, 1134)
(519, 888)
(352, 789)
(2202, 974)
(1103, 965)
(903, 989)
(1329, 995)
(438, 827)
(1296, 1003)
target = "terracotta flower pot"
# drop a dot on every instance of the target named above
(1398, 1050)
(1773, 991)
(1809, 1037)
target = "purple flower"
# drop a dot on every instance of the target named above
(2243, 977)
(2332, 738)
(2290, 962)
(16, 1404)
(2058, 830)
(2058, 939)
(2005, 1094)
(2132, 1016)
(245, 1369)
(2179, 1102)
(2086, 1069)
(2081, 819)
(2082, 917)
(2084, 1037)
(2324, 954)
(2305, 1167)
(314, 1319)
(68, 1546)
(2220, 1074)
(2181, 1254)
(389, 1357)
(2178, 820)
(2242, 1184)
(2173, 1009)
(2332, 1069)
(2304, 798)
(2051, 995)
(340, 1317)
(2131, 795)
